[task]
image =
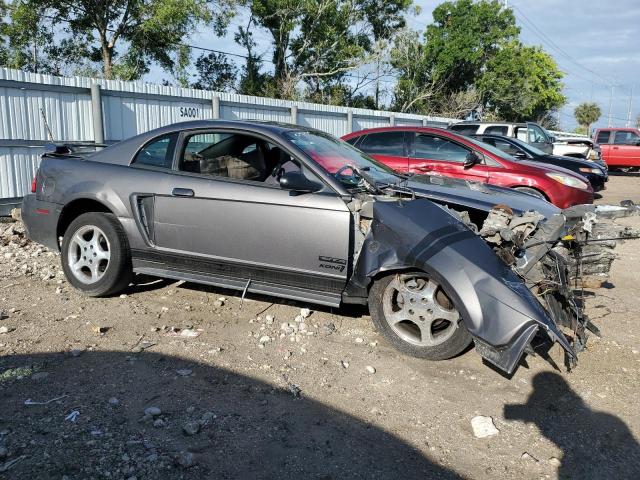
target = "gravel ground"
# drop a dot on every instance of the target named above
(175, 380)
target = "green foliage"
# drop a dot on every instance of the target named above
(471, 55)
(586, 114)
(252, 82)
(215, 72)
(123, 36)
(317, 42)
(463, 37)
(581, 130)
(521, 83)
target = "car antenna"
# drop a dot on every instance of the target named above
(46, 124)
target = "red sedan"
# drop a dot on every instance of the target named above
(436, 151)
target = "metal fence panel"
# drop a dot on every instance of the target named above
(18, 166)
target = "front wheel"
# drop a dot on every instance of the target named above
(95, 255)
(415, 314)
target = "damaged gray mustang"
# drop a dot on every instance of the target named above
(295, 213)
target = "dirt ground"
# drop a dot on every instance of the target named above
(231, 392)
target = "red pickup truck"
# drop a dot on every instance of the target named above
(620, 147)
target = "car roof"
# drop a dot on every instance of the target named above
(397, 128)
(471, 122)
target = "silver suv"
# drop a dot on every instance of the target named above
(528, 132)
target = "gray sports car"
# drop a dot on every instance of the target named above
(295, 213)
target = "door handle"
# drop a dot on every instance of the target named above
(615, 148)
(182, 192)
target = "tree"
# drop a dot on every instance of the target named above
(252, 82)
(463, 37)
(122, 36)
(521, 83)
(317, 42)
(215, 72)
(586, 114)
(471, 59)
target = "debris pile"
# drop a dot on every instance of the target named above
(22, 257)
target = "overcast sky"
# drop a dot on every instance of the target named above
(594, 42)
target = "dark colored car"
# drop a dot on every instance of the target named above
(594, 173)
(295, 213)
(443, 152)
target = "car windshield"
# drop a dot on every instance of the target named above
(338, 158)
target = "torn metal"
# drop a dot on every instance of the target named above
(513, 274)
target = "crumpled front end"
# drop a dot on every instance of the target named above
(557, 257)
(498, 309)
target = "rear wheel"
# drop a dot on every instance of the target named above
(95, 255)
(531, 191)
(416, 315)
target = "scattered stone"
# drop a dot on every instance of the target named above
(158, 423)
(527, 456)
(191, 428)
(76, 352)
(269, 319)
(124, 295)
(295, 390)
(554, 461)
(359, 340)
(39, 376)
(184, 372)
(328, 328)
(483, 426)
(185, 459)
(207, 418)
(287, 355)
(114, 401)
(265, 339)
(370, 369)
(152, 411)
(305, 312)
(4, 329)
(345, 364)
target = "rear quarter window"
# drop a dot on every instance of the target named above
(158, 152)
(603, 137)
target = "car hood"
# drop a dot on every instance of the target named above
(476, 195)
(549, 168)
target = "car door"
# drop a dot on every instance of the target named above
(442, 156)
(537, 137)
(220, 220)
(626, 149)
(387, 147)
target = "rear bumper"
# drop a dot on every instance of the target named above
(41, 221)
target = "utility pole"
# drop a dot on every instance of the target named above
(630, 107)
(610, 105)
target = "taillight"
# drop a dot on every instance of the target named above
(34, 184)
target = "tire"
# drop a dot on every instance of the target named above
(531, 191)
(106, 267)
(408, 335)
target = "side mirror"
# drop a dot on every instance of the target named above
(520, 154)
(552, 140)
(471, 160)
(297, 182)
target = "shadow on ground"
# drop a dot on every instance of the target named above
(595, 445)
(254, 430)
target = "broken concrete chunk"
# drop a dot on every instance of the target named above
(483, 426)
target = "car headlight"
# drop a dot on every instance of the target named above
(568, 181)
(590, 170)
